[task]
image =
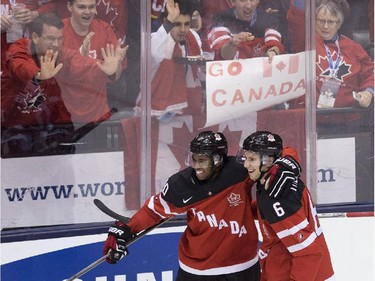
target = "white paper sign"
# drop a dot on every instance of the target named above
(237, 87)
(336, 171)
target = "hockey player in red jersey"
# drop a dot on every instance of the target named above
(293, 247)
(220, 241)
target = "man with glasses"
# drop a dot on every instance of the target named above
(34, 116)
(344, 71)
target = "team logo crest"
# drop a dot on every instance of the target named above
(234, 200)
(323, 65)
(31, 99)
(271, 138)
(217, 137)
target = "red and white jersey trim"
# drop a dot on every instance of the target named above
(272, 35)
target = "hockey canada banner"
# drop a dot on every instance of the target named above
(237, 87)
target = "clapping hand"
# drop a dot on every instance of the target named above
(112, 57)
(48, 67)
(86, 45)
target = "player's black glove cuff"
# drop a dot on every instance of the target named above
(288, 163)
(282, 177)
(121, 231)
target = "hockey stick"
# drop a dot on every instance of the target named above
(116, 216)
(109, 212)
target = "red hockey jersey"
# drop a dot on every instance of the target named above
(221, 236)
(293, 247)
(355, 73)
(265, 30)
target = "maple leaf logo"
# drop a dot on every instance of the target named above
(111, 11)
(323, 66)
(280, 66)
(234, 199)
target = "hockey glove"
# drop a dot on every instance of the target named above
(119, 235)
(282, 176)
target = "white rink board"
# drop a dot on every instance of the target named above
(53, 190)
(350, 240)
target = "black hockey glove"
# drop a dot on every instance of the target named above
(119, 235)
(282, 177)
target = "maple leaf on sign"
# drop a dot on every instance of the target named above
(280, 66)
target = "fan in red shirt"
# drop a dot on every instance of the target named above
(86, 34)
(31, 83)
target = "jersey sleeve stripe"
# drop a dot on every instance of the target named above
(166, 208)
(293, 230)
(307, 242)
(151, 206)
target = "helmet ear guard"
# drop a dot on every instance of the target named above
(217, 159)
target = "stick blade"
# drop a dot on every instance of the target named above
(102, 207)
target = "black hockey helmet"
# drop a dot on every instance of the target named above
(210, 143)
(213, 144)
(265, 143)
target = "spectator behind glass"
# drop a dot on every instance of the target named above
(158, 13)
(88, 35)
(345, 72)
(175, 86)
(207, 9)
(245, 31)
(34, 116)
(15, 21)
(36, 72)
(114, 12)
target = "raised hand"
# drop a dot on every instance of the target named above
(86, 45)
(48, 67)
(110, 60)
(120, 52)
(173, 10)
(6, 22)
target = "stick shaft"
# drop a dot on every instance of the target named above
(88, 268)
(116, 216)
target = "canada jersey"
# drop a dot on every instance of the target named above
(221, 236)
(292, 236)
(264, 27)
